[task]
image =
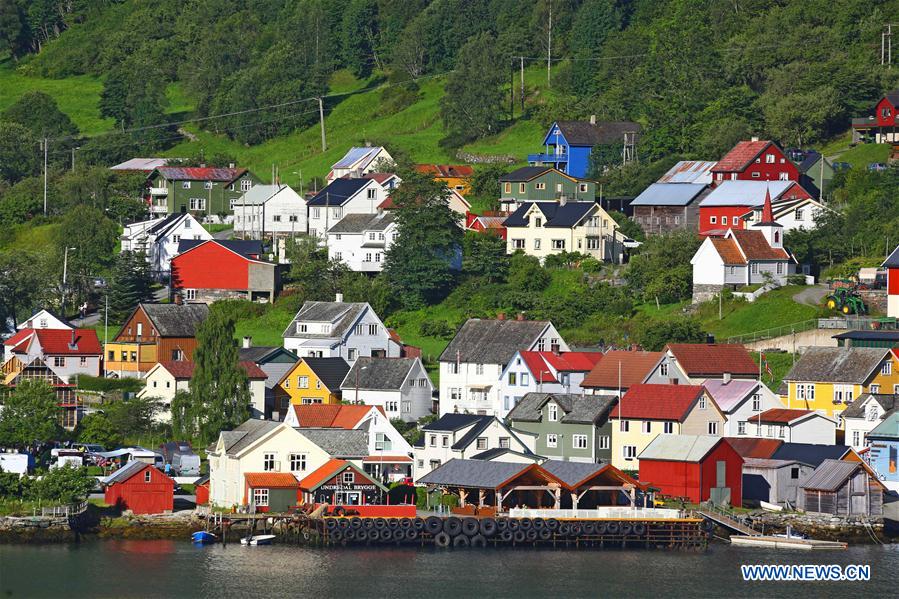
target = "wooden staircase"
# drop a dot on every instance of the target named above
(727, 519)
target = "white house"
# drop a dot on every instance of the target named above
(361, 240)
(696, 363)
(267, 211)
(793, 426)
(466, 436)
(158, 239)
(791, 214)
(399, 386)
(473, 362)
(543, 372)
(44, 319)
(166, 379)
(864, 414)
(339, 329)
(741, 401)
(388, 454)
(340, 198)
(742, 257)
(360, 161)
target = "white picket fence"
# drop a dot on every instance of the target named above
(64, 511)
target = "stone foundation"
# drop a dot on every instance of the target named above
(704, 293)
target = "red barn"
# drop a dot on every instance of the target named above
(489, 222)
(141, 488)
(698, 467)
(212, 270)
(755, 161)
(725, 206)
(201, 488)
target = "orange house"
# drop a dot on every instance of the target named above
(456, 176)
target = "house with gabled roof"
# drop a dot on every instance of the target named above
(865, 413)
(457, 177)
(140, 488)
(672, 202)
(268, 211)
(473, 361)
(361, 241)
(274, 362)
(158, 239)
(339, 482)
(542, 184)
(842, 488)
(311, 380)
(741, 401)
(618, 370)
(543, 372)
(213, 270)
(755, 160)
(359, 161)
(68, 352)
(542, 229)
(891, 265)
(490, 223)
(45, 319)
(567, 426)
(739, 204)
(646, 411)
(465, 436)
(882, 126)
(340, 198)
(793, 426)
(15, 372)
(697, 363)
(569, 144)
(208, 193)
(348, 330)
(399, 386)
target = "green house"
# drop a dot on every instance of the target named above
(816, 169)
(568, 427)
(202, 191)
(542, 184)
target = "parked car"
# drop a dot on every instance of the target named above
(877, 166)
(841, 166)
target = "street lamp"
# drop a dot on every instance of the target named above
(357, 381)
(65, 270)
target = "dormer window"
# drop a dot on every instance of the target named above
(552, 412)
(872, 414)
(538, 222)
(302, 328)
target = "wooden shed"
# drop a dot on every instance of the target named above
(201, 488)
(271, 491)
(141, 488)
(842, 488)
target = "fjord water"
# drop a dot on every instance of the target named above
(179, 569)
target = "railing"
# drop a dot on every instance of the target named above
(787, 329)
(159, 191)
(547, 157)
(852, 323)
(67, 511)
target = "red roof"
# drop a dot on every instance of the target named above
(754, 447)
(271, 480)
(191, 173)
(58, 342)
(780, 415)
(184, 369)
(323, 473)
(253, 371)
(538, 367)
(741, 155)
(727, 249)
(389, 459)
(634, 367)
(756, 247)
(539, 363)
(378, 177)
(331, 416)
(713, 359)
(657, 402)
(461, 171)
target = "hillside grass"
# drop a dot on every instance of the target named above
(773, 309)
(864, 154)
(28, 237)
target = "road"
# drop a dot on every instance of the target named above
(812, 295)
(226, 234)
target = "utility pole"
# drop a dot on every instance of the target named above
(886, 46)
(321, 117)
(549, 45)
(45, 144)
(512, 93)
(522, 83)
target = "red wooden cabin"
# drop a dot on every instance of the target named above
(141, 488)
(755, 160)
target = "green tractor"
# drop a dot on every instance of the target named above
(847, 301)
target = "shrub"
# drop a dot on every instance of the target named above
(435, 328)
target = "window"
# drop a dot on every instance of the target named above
(798, 214)
(780, 268)
(713, 220)
(873, 414)
(713, 428)
(741, 427)
(624, 426)
(513, 376)
(185, 185)
(260, 497)
(755, 175)
(297, 462)
(59, 361)
(521, 188)
(769, 158)
(518, 244)
(702, 402)
(524, 379)
(268, 462)
(338, 255)
(302, 382)
(316, 213)
(794, 473)
(507, 187)
(875, 389)
(886, 368)
(723, 220)
(177, 355)
(277, 218)
(646, 427)
(246, 184)
(784, 176)
(148, 476)
(558, 244)
(505, 442)
(780, 431)
(292, 218)
(593, 243)
(421, 463)
(668, 428)
(337, 213)
(481, 443)
(446, 440)
(434, 464)
(579, 441)
(629, 452)
(351, 354)
(552, 412)
(582, 187)
(190, 294)
(856, 438)
(433, 441)
(663, 369)
(407, 407)
(198, 203)
(372, 329)
(207, 185)
(111, 356)
(371, 194)
(541, 344)
(478, 369)
(552, 440)
(539, 185)
(455, 393)
(391, 406)
(605, 442)
(318, 384)
(349, 477)
(756, 402)
(755, 268)
(538, 222)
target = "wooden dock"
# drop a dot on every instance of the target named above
(785, 543)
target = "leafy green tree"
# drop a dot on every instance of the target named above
(420, 265)
(485, 183)
(484, 255)
(20, 155)
(97, 428)
(656, 334)
(30, 415)
(219, 389)
(25, 283)
(135, 417)
(67, 484)
(360, 20)
(40, 114)
(595, 19)
(661, 270)
(184, 424)
(23, 201)
(526, 273)
(473, 104)
(627, 226)
(130, 284)
(94, 238)
(13, 30)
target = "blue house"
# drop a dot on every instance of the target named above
(568, 144)
(883, 454)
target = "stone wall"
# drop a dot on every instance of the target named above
(852, 529)
(704, 293)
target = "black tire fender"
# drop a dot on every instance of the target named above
(470, 526)
(433, 525)
(441, 539)
(478, 541)
(461, 541)
(452, 526)
(488, 527)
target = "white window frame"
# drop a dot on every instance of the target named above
(297, 459)
(579, 442)
(260, 497)
(552, 440)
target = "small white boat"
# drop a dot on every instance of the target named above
(771, 507)
(257, 540)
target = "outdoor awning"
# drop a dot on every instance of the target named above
(483, 386)
(388, 459)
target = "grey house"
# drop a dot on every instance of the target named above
(275, 362)
(774, 481)
(567, 427)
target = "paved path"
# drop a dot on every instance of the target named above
(226, 234)
(811, 295)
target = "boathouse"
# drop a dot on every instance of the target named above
(141, 488)
(842, 488)
(271, 491)
(342, 483)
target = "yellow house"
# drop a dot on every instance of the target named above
(456, 176)
(647, 411)
(827, 379)
(312, 380)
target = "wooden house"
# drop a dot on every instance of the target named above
(339, 482)
(141, 488)
(212, 270)
(755, 160)
(842, 488)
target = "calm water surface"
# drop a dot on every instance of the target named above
(179, 569)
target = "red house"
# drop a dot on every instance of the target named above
(755, 161)
(727, 205)
(891, 264)
(698, 467)
(201, 488)
(338, 482)
(489, 222)
(883, 125)
(141, 488)
(212, 270)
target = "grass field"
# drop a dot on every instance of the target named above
(773, 309)
(28, 237)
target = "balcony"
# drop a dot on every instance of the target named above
(551, 158)
(159, 191)
(159, 208)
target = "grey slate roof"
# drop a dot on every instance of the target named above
(524, 174)
(453, 422)
(888, 428)
(246, 434)
(583, 133)
(554, 213)
(498, 452)
(331, 371)
(255, 353)
(830, 475)
(125, 472)
(855, 409)
(893, 260)
(358, 223)
(809, 453)
(244, 247)
(338, 442)
(572, 473)
(837, 364)
(479, 474)
(174, 320)
(342, 315)
(578, 409)
(669, 194)
(338, 192)
(681, 448)
(385, 374)
(869, 335)
(492, 341)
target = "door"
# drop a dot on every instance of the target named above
(721, 474)
(349, 497)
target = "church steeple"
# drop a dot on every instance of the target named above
(767, 212)
(771, 229)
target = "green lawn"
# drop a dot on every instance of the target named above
(779, 363)
(266, 329)
(28, 237)
(773, 309)
(864, 154)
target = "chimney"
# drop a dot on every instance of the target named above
(202, 165)
(231, 165)
(247, 342)
(755, 138)
(501, 316)
(726, 378)
(592, 119)
(339, 298)
(72, 344)
(562, 200)
(520, 317)
(178, 299)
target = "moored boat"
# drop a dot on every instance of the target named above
(202, 537)
(257, 540)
